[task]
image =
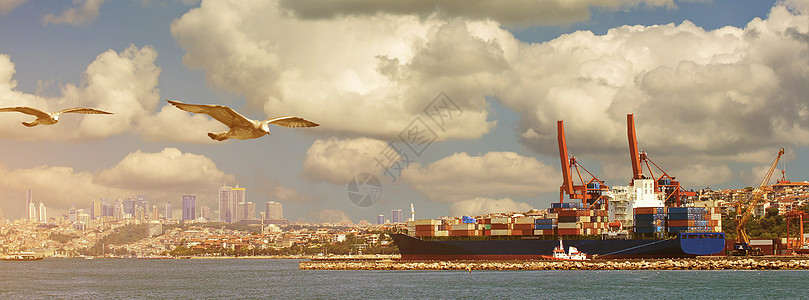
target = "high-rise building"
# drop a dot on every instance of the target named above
(238, 200)
(155, 213)
(119, 209)
(43, 217)
(249, 211)
(205, 212)
(380, 219)
(129, 206)
(142, 202)
(226, 211)
(189, 207)
(140, 214)
(168, 210)
(73, 212)
(95, 210)
(274, 210)
(30, 207)
(397, 216)
(107, 209)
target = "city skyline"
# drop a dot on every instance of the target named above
(715, 86)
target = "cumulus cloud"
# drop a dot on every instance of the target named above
(328, 216)
(552, 12)
(480, 206)
(494, 174)
(167, 169)
(162, 176)
(85, 13)
(338, 160)
(703, 175)
(172, 124)
(8, 5)
(124, 83)
(369, 76)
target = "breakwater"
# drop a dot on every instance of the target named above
(775, 263)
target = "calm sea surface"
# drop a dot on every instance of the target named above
(266, 278)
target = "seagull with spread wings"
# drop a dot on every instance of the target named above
(241, 127)
(45, 118)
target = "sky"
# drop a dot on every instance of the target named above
(448, 105)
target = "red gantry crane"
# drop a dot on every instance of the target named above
(663, 183)
(589, 192)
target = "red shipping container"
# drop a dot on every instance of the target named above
(426, 227)
(680, 223)
(487, 232)
(569, 231)
(524, 226)
(574, 213)
(425, 233)
(502, 226)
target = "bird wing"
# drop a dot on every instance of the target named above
(290, 121)
(27, 110)
(223, 114)
(84, 110)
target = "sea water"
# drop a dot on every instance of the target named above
(281, 279)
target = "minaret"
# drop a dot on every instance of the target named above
(412, 213)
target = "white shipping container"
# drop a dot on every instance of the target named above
(501, 231)
(442, 233)
(501, 220)
(428, 222)
(464, 226)
(568, 225)
(552, 216)
(524, 220)
(760, 242)
(716, 217)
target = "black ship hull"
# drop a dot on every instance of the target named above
(412, 248)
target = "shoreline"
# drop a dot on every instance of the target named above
(706, 263)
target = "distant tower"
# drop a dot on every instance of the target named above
(226, 211)
(155, 213)
(29, 204)
(274, 210)
(189, 207)
(43, 217)
(237, 201)
(412, 213)
(168, 210)
(396, 216)
(73, 213)
(205, 212)
(380, 219)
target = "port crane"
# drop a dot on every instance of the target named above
(589, 192)
(664, 183)
(742, 244)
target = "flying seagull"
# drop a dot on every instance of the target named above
(241, 127)
(46, 118)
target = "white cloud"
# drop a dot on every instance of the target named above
(6, 6)
(495, 174)
(704, 175)
(172, 124)
(169, 169)
(506, 12)
(124, 83)
(337, 161)
(162, 176)
(367, 76)
(84, 14)
(480, 206)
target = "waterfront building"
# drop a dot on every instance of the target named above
(380, 220)
(189, 207)
(396, 216)
(43, 217)
(274, 210)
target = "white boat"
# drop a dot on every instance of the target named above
(572, 254)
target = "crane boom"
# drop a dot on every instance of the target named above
(567, 177)
(742, 240)
(634, 156)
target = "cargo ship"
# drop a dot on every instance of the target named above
(656, 232)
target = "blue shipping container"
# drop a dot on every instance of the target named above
(544, 221)
(544, 226)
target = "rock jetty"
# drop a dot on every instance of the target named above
(679, 264)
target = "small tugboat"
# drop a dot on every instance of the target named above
(21, 256)
(572, 254)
